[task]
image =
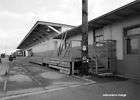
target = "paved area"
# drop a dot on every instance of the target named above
(23, 76)
(28, 81)
(124, 90)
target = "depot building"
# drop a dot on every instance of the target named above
(121, 25)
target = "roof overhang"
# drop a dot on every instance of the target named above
(39, 32)
(128, 11)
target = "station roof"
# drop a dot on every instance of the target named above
(41, 31)
(128, 11)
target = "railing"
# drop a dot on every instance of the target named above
(104, 57)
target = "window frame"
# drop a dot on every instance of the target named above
(99, 35)
(126, 42)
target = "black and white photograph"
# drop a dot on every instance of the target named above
(69, 49)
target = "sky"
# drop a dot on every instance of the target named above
(17, 17)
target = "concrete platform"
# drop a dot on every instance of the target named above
(122, 90)
(24, 78)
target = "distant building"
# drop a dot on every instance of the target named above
(18, 53)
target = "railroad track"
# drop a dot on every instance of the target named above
(28, 72)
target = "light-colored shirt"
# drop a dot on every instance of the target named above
(4, 65)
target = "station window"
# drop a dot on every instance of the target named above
(133, 41)
(133, 45)
(98, 38)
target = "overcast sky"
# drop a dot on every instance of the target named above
(18, 16)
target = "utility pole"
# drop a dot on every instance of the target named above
(84, 44)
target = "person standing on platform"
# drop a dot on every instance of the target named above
(4, 65)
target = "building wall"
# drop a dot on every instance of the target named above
(79, 37)
(45, 47)
(115, 32)
(48, 45)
